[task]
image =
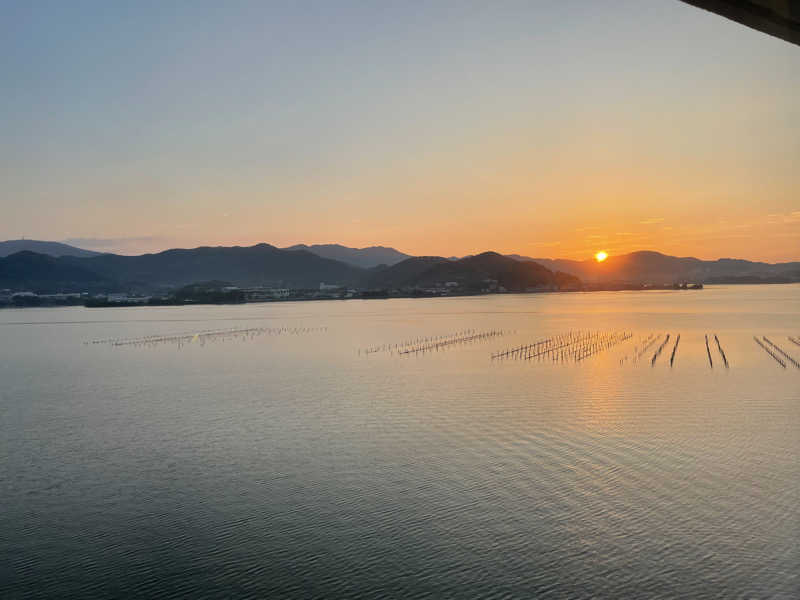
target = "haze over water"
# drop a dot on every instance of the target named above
(288, 462)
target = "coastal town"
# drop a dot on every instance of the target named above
(223, 293)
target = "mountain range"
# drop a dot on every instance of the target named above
(654, 267)
(49, 248)
(257, 265)
(365, 258)
(52, 266)
(265, 265)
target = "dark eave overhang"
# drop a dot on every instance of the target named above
(780, 18)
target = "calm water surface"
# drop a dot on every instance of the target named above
(290, 463)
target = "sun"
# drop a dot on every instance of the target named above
(601, 256)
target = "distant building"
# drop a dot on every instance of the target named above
(61, 297)
(123, 298)
(265, 294)
(327, 287)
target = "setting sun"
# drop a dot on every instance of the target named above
(601, 256)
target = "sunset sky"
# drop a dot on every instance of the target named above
(550, 129)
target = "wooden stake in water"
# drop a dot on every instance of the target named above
(658, 351)
(770, 352)
(674, 349)
(721, 351)
(781, 350)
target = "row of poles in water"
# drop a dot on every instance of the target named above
(646, 344)
(571, 346)
(578, 345)
(776, 352)
(719, 348)
(574, 345)
(664, 339)
(434, 343)
(208, 335)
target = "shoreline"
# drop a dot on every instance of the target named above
(386, 296)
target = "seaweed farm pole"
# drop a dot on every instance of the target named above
(674, 349)
(658, 351)
(708, 350)
(770, 352)
(779, 349)
(721, 351)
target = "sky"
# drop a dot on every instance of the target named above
(549, 129)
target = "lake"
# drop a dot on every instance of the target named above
(375, 448)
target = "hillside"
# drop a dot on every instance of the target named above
(473, 272)
(405, 273)
(365, 258)
(56, 249)
(28, 271)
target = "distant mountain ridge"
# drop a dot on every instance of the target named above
(56, 249)
(261, 264)
(257, 265)
(266, 265)
(639, 267)
(366, 258)
(300, 268)
(653, 267)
